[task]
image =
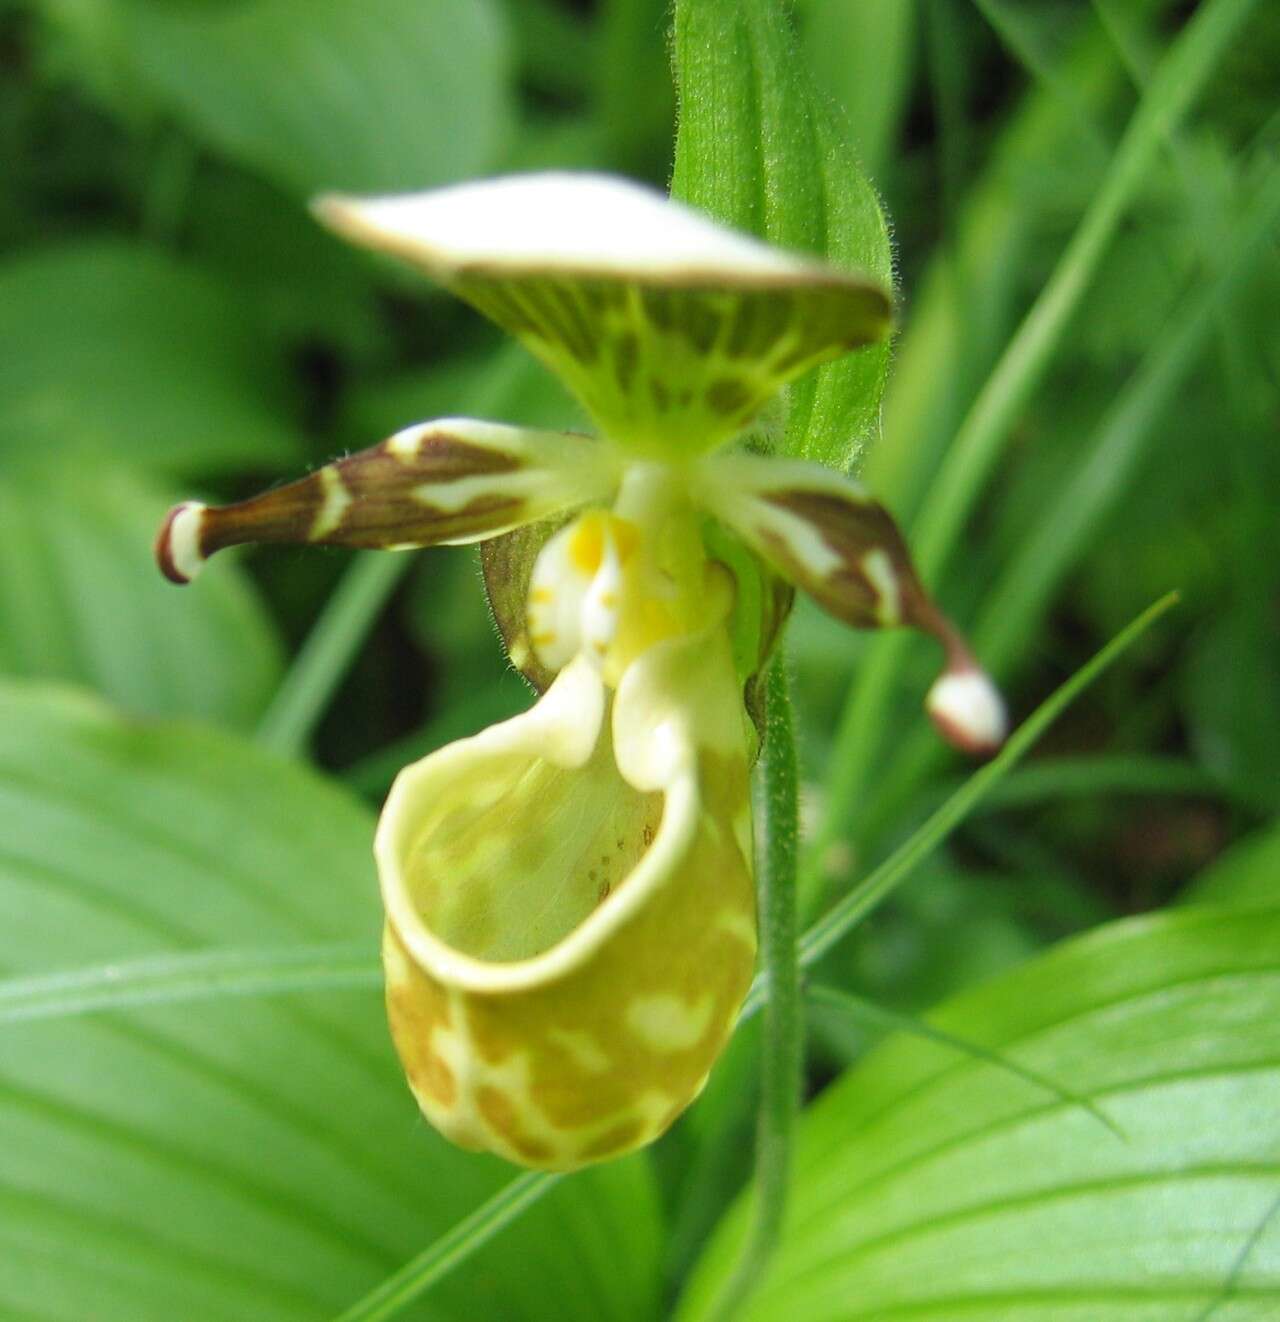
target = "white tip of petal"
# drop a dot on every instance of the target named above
(178, 550)
(589, 224)
(968, 710)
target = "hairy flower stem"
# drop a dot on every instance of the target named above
(782, 1051)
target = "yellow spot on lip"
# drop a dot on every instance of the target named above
(542, 639)
(665, 1022)
(543, 596)
(582, 1048)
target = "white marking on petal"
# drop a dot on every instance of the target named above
(337, 499)
(877, 567)
(184, 539)
(406, 444)
(969, 711)
(567, 222)
(665, 1022)
(457, 494)
(554, 610)
(804, 543)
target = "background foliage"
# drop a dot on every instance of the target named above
(172, 323)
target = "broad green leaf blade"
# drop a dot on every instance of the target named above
(381, 96)
(1247, 874)
(759, 151)
(304, 287)
(938, 1190)
(80, 600)
(240, 1158)
(123, 351)
(188, 976)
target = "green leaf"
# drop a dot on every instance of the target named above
(401, 1288)
(1247, 874)
(233, 1158)
(304, 286)
(120, 350)
(506, 384)
(861, 53)
(80, 600)
(1233, 666)
(1230, 689)
(190, 976)
(382, 96)
(940, 1189)
(632, 76)
(759, 151)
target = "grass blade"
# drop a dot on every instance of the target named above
(897, 867)
(1119, 446)
(1177, 81)
(868, 1012)
(335, 638)
(438, 1259)
(189, 976)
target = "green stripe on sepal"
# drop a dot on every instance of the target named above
(673, 331)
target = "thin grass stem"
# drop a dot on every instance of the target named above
(863, 1011)
(318, 669)
(438, 1259)
(873, 889)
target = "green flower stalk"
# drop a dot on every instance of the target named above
(570, 916)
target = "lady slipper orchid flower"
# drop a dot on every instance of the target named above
(570, 918)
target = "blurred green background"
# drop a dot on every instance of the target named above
(173, 324)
